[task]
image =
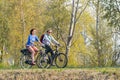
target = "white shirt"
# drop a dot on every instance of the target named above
(48, 39)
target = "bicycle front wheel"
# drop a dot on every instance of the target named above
(25, 60)
(61, 60)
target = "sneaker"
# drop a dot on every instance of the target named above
(53, 64)
(33, 63)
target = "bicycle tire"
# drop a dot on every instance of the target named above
(23, 60)
(61, 63)
(44, 61)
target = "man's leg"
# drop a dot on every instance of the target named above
(49, 49)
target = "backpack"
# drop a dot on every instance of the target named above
(41, 38)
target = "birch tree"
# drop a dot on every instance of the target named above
(112, 12)
(4, 29)
(22, 22)
(75, 15)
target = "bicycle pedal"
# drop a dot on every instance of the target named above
(28, 62)
(32, 63)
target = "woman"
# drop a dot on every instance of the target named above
(30, 43)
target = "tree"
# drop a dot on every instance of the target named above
(97, 36)
(102, 36)
(74, 18)
(23, 24)
(111, 12)
(18, 18)
(58, 19)
(4, 29)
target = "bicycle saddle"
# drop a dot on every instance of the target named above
(25, 51)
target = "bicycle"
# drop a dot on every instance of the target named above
(59, 58)
(26, 59)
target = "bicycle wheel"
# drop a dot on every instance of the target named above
(61, 60)
(44, 61)
(25, 61)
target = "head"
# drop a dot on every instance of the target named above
(49, 32)
(33, 31)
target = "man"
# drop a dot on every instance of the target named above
(49, 40)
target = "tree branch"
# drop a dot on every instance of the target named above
(58, 29)
(75, 16)
(82, 10)
(117, 6)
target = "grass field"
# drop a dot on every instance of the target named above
(61, 74)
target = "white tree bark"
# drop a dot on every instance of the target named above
(73, 21)
(22, 23)
(97, 34)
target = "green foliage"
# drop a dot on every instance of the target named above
(17, 17)
(4, 25)
(111, 12)
(78, 55)
(105, 45)
(57, 18)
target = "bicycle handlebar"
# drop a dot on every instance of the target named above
(57, 45)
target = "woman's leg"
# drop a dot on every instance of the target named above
(35, 49)
(32, 53)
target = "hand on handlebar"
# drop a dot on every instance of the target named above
(58, 45)
(42, 45)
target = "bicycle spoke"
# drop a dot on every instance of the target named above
(25, 61)
(44, 61)
(61, 60)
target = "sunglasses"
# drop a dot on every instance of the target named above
(49, 32)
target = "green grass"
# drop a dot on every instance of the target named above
(100, 69)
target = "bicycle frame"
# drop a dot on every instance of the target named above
(56, 51)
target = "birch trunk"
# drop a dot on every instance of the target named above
(22, 23)
(73, 21)
(72, 24)
(97, 34)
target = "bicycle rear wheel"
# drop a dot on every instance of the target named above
(44, 61)
(25, 61)
(61, 60)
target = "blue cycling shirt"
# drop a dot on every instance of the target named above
(31, 40)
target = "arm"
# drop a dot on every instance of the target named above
(54, 41)
(30, 40)
(37, 39)
(47, 40)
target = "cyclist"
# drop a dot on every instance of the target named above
(48, 40)
(30, 43)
